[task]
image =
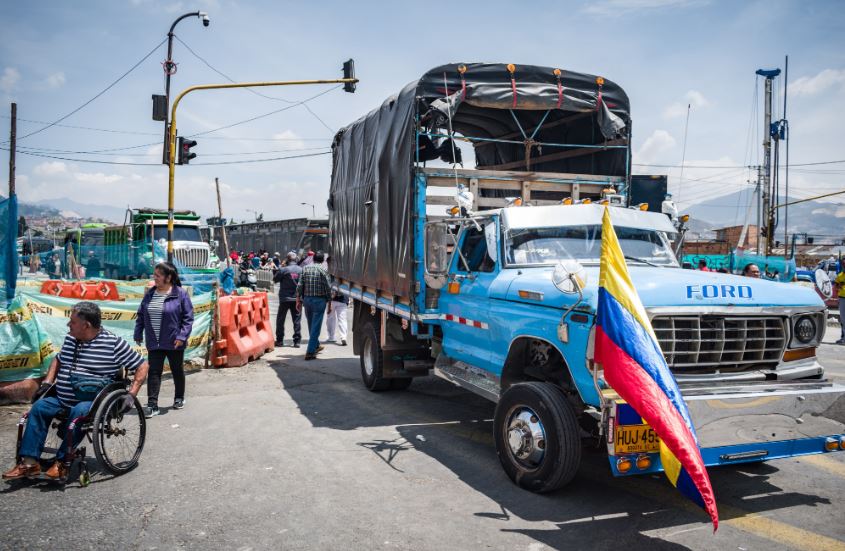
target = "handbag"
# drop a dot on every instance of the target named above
(85, 388)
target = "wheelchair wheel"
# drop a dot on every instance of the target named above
(118, 437)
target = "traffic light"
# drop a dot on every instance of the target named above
(349, 72)
(184, 146)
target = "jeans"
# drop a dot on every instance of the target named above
(175, 358)
(336, 322)
(315, 309)
(282, 315)
(38, 424)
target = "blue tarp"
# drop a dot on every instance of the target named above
(8, 248)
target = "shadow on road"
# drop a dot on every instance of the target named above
(454, 427)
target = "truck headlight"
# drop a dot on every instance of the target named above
(806, 330)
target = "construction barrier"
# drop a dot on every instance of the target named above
(245, 332)
(82, 290)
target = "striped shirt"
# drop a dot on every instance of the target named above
(154, 311)
(101, 357)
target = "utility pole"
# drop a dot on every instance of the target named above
(758, 209)
(222, 225)
(768, 200)
(13, 140)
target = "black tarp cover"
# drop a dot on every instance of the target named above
(372, 185)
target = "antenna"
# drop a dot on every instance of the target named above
(683, 155)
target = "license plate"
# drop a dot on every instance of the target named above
(635, 439)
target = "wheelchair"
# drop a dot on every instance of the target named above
(117, 436)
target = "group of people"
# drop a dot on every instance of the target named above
(92, 353)
(749, 270)
(305, 284)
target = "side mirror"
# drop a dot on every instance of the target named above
(436, 251)
(569, 277)
(823, 284)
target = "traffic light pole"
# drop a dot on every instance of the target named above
(172, 136)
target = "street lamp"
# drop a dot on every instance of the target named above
(258, 215)
(170, 69)
(313, 210)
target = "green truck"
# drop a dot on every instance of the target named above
(135, 247)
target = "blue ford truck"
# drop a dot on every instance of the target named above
(488, 278)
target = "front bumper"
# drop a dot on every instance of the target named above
(743, 422)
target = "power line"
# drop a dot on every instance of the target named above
(257, 93)
(315, 96)
(736, 166)
(205, 153)
(103, 91)
(95, 161)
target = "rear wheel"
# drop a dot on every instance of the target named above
(119, 436)
(372, 362)
(537, 436)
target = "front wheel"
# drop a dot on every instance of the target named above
(537, 436)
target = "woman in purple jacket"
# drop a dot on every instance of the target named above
(164, 321)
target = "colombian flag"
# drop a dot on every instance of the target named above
(634, 366)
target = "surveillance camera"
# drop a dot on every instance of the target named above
(205, 20)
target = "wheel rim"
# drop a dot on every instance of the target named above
(525, 437)
(121, 436)
(369, 367)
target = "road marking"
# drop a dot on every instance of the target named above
(826, 463)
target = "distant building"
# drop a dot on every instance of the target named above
(725, 241)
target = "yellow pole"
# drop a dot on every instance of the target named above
(172, 136)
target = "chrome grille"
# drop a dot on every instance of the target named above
(191, 258)
(695, 344)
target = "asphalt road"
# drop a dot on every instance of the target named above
(288, 454)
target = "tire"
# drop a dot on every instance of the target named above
(537, 420)
(401, 383)
(372, 361)
(118, 437)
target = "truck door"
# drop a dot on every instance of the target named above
(465, 308)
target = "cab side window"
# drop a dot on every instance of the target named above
(474, 250)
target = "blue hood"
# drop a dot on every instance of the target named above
(660, 287)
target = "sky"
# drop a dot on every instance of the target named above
(667, 54)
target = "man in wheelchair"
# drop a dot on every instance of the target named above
(89, 360)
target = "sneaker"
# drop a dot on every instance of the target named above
(310, 356)
(279, 344)
(151, 411)
(22, 470)
(296, 345)
(57, 471)
(178, 403)
(319, 349)
(840, 341)
(343, 342)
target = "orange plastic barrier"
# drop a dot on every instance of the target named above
(83, 290)
(244, 329)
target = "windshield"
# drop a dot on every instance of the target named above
(538, 246)
(180, 233)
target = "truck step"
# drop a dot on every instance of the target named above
(471, 378)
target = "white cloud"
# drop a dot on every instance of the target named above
(809, 86)
(610, 8)
(97, 178)
(658, 143)
(56, 80)
(292, 139)
(50, 169)
(694, 99)
(10, 79)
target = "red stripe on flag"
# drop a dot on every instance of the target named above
(629, 379)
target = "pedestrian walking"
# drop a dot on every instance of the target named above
(314, 292)
(336, 316)
(165, 319)
(840, 281)
(288, 277)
